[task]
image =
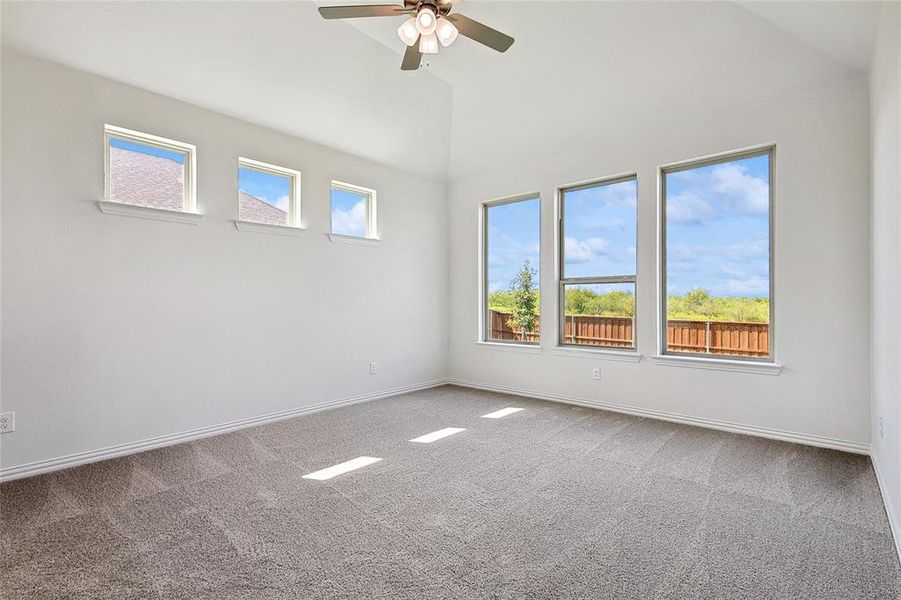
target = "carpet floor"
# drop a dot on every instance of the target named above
(554, 501)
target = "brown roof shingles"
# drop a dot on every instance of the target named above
(251, 208)
(147, 180)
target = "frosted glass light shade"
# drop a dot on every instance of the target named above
(408, 32)
(428, 44)
(446, 32)
(426, 21)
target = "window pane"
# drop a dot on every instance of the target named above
(599, 314)
(718, 258)
(599, 230)
(263, 197)
(513, 233)
(349, 212)
(146, 175)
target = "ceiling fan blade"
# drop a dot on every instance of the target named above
(362, 10)
(412, 58)
(481, 33)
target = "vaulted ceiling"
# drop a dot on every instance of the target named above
(578, 73)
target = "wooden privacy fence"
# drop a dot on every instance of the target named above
(501, 329)
(703, 337)
(718, 337)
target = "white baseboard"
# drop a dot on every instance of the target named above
(889, 506)
(73, 460)
(776, 434)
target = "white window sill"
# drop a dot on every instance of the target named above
(269, 228)
(510, 347)
(351, 239)
(146, 212)
(719, 364)
(603, 354)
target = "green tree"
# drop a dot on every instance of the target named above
(525, 300)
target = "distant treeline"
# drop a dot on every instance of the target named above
(697, 305)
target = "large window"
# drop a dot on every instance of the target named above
(510, 254)
(353, 211)
(147, 170)
(717, 241)
(268, 194)
(598, 229)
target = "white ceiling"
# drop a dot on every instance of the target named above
(845, 31)
(579, 72)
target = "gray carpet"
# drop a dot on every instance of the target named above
(552, 502)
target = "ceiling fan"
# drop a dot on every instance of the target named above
(429, 24)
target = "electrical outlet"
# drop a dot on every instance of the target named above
(881, 428)
(373, 367)
(596, 374)
(7, 422)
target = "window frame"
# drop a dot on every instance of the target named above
(370, 227)
(563, 281)
(294, 201)
(189, 198)
(484, 321)
(768, 150)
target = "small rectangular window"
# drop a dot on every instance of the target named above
(353, 211)
(511, 238)
(598, 231)
(717, 245)
(268, 194)
(147, 170)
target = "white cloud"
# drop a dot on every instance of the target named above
(688, 207)
(747, 193)
(582, 251)
(748, 286)
(724, 190)
(749, 250)
(350, 222)
(620, 195)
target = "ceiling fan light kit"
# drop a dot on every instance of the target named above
(408, 32)
(428, 22)
(428, 44)
(446, 32)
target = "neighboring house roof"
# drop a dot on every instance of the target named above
(251, 208)
(146, 180)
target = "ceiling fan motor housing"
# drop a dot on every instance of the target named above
(440, 8)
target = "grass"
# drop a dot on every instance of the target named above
(697, 305)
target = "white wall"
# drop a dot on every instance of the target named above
(116, 329)
(821, 268)
(885, 122)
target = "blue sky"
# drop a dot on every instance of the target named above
(178, 157)
(717, 229)
(599, 230)
(348, 213)
(513, 236)
(268, 187)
